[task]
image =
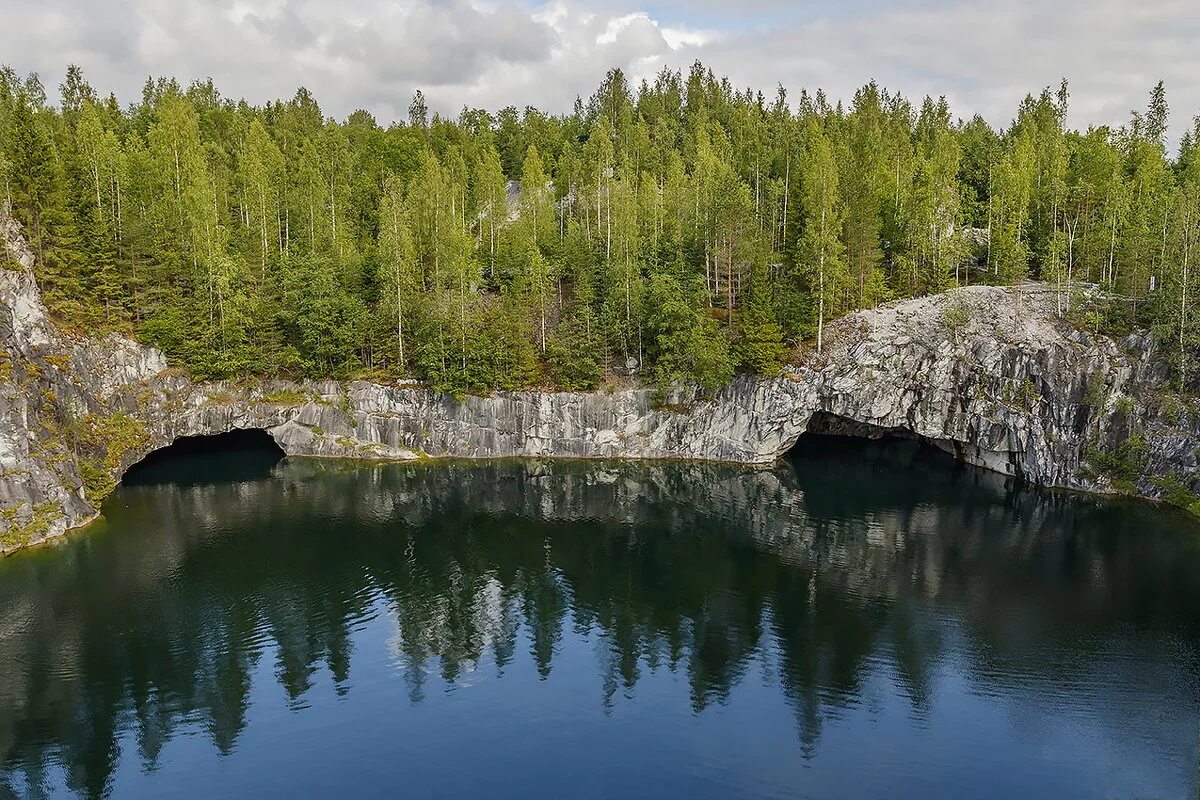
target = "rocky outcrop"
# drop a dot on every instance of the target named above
(988, 374)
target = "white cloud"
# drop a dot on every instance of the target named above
(373, 53)
(681, 37)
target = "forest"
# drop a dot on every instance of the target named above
(679, 230)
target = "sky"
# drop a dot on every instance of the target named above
(983, 56)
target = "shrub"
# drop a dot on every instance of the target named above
(16, 534)
(956, 315)
(1123, 464)
(1177, 493)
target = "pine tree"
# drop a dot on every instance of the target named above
(760, 348)
(863, 174)
(36, 179)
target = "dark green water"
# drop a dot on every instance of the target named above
(865, 621)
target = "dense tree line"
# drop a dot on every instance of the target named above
(685, 227)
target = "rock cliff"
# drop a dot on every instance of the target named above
(988, 374)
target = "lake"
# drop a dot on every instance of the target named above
(863, 620)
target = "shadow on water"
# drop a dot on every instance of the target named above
(849, 567)
(238, 455)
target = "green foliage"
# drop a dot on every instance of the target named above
(685, 224)
(573, 357)
(1086, 312)
(956, 316)
(1028, 395)
(684, 344)
(104, 442)
(1022, 395)
(320, 319)
(1122, 464)
(821, 251)
(286, 397)
(492, 351)
(1172, 408)
(760, 347)
(1095, 395)
(1177, 493)
(18, 532)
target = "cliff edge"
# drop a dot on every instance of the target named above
(989, 374)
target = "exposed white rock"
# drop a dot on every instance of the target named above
(985, 373)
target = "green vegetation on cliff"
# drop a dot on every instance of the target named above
(19, 527)
(105, 441)
(682, 227)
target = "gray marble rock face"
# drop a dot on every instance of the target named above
(988, 374)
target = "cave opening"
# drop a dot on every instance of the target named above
(237, 455)
(830, 436)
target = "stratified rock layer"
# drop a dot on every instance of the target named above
(989, 374)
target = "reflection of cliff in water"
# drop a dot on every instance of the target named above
(813, 570)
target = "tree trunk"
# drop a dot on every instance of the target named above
(1187, 254)
(400, 324)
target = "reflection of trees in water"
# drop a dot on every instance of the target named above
(708, 571)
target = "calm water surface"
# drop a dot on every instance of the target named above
(864, 621)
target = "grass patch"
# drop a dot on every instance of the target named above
(286, 397)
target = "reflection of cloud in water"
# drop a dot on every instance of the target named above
(868, 581)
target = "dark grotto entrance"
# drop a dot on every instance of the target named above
(833, 437)
(824, 425)
(233, 456)
(903, 466)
